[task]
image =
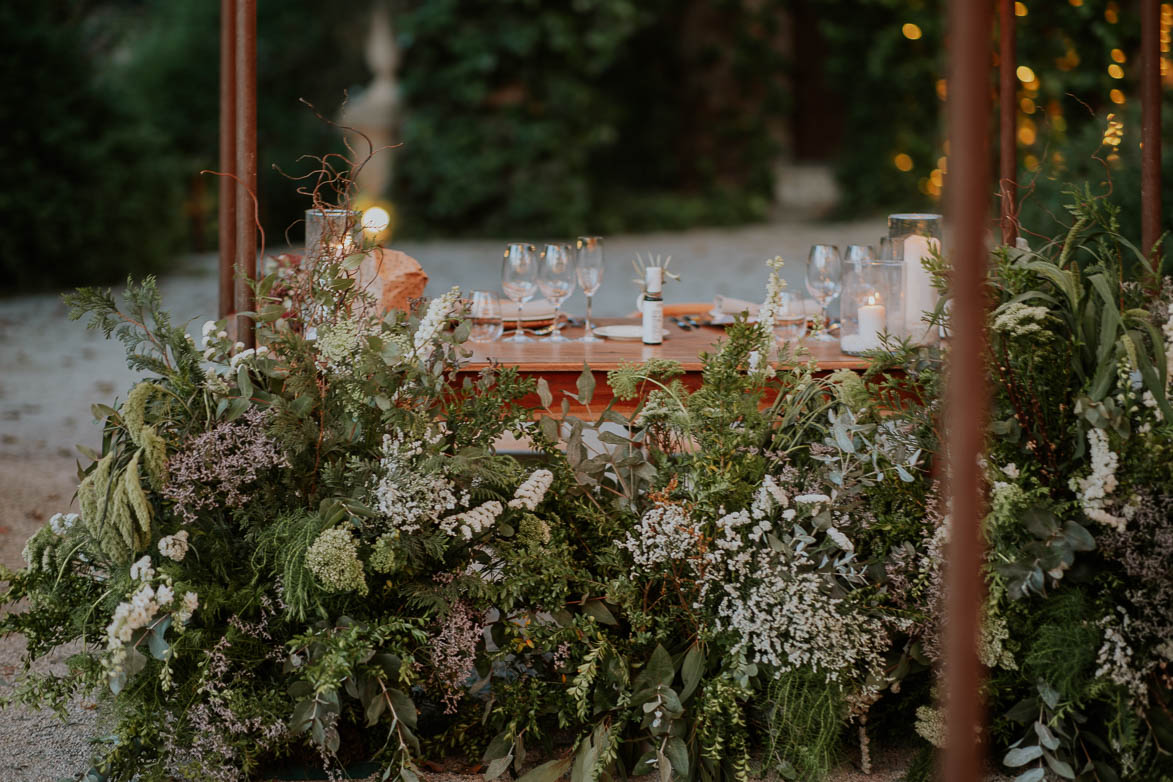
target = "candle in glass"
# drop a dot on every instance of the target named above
(872, 318)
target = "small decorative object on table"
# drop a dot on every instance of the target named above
(872, 304)
(913, 239)
(332, 234)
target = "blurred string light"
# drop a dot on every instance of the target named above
(1076, 3)
(1166, 40)
(1020, 9)
(1112, 13)
(1027, 105)
(1116, 96)
(1115, 71)
(1118, 55)
(903, 162)
(1026, 74)
(911, 31)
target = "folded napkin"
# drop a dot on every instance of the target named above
(727, 305)
(538, 309)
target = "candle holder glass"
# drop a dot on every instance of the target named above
(872, 304)
(332, 234)
(912, 238)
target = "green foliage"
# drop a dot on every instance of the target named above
(801, 724)
(527, 115)
(91, 187)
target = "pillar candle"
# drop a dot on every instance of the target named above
(919, 294)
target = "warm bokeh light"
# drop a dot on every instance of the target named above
(1118, 55)
(1076, 3)
(942, 89)
(911, 31)
(1020, 9)
(937, 177)
(1031, 162)
(943, 164)
(1115, 71)
(1025, 74)
(375, 220)
(902, 162)
(1117, 96)
(1027, 105)
(1027, 135)
(1112, 13)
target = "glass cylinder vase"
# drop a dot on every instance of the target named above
(872, 304)
(332, 234)
(913, 239)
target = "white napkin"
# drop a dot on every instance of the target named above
(727, 305)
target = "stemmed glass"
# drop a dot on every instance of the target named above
(859, 253)
(588, 259)
(824, 280)
(519, 280)
(556, 281)
(485, 314)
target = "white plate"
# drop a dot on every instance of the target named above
(622, 332)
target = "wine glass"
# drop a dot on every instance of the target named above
(824, 280)
(556, 281)
(858, 254)
(484, 312)
(588, 259)
(519, 280)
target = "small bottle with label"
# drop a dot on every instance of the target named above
(653, 306)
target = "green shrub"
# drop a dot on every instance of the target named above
(90, 189)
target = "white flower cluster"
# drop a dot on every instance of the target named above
(474, 521)
(1018, 320)
(664, 533)
(1115, 658)
(785, 617)
(773, 302)
(433, 322)
(1167, 330)
(174, 547)
(142, 570)
(1094, 490)
(338, 342)
(214, 336)
(530, 493)
(409, 497)
(769, 496)
(243, 354)
(143, 609)
(61, 523)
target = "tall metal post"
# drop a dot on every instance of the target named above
(1008, 114)
(1150, 101)
(246, 164)
(967, 204)
(227, 214)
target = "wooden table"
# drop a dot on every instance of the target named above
(561, 363)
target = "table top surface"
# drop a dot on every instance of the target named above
(680, 345)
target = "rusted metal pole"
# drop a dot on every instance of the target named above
(968, 205)
(1150, 102)
(246, 164)
(227, 218)
(1008, 109)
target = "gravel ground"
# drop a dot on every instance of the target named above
(52, 370)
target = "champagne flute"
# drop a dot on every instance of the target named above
(824, 280)
(519, 275)
(556, 281)
(485, 313)
(589, 263)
